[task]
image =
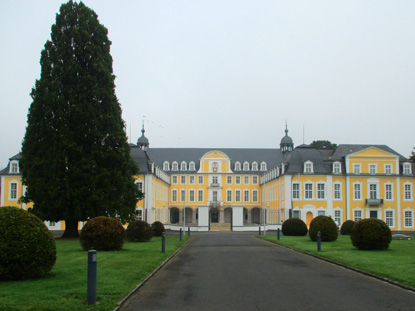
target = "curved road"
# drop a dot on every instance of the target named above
(236, 271)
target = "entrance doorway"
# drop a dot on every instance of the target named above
(214, 215)
(308, 218)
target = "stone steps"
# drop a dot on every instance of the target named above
(220, 226)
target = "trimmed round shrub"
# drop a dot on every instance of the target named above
(347, 227)
(327, 228)
(158, 228)
(371, 234)
(102, 234)
(27, 247)
(294, 227)
(139, 231)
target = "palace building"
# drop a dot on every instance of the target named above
(242, 189)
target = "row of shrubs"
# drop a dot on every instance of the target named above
(366, 234)
(28, 248)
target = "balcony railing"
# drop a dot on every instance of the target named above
(215, 203)
(374, 201)
(215, 184)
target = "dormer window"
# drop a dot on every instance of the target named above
(263, 166)
(215, 166)
(337, 168)
(407, 168)
(237, 166)
(14, 167)
(308, 167)
(175, 166)
(183, 166)
(246, 166)
(254, 166)
(192, 166)
(166, 166)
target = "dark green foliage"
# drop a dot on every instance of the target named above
(27, 248)
(158, 228)
(371, 234)
(75, 156)
(327, 228)
(102, 234)
(323, 144)
(294, 227)
(347, 227)
(139, 231)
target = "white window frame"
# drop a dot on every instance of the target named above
(174, 179)
(373, 168)
(388, 192)
(263, 166)
(140, 186)
(229, 195)
(182, 179)
(408, 216)
(192, 166)
(307, 192)
(407, 191)
(355, 211)
(174, 195)
(246, 195)
(191, 195)
(175, 166)
(388, 169)
(237, 166)
(296, 192)
(182, 195)
(255, 180)
(191, 179)
(166, 166)
(296, 213)
(390, 219)
(337, 216)
(357, 168)
(254, 195)
(237, 195)
(246, 179)
(308, 167)
(407, 169)
(338, 191)
(13, 190)
(254, 166)
(360, 196)
(373, 190)
(14, 167)
(321, 193)
(200, 195)
(337, 168)
(321, 212)
(183, 166)
(200, 180)
(246, 166)
(237, 180)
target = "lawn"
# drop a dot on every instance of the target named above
(65, 286)
(396, 263)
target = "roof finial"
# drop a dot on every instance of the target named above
(142, 128)
(286, 127)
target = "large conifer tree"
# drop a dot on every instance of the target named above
(76, 160)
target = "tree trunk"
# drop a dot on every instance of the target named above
(71, 229)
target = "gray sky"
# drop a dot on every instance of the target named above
(228, 73)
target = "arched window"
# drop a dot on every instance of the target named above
(246, 166)
(308, 167)
(166, 166)
(175, 166)
(263, 166)
(237, 166)
(192, 166)
(254, 166)
(183, 166)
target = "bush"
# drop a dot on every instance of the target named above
(158, 228)
(294, 227)
(327, 228)
(27, 247)
(347, 227)
(139, 231)
(370, 234)
(102, 233)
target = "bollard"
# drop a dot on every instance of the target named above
(318, 241)
(188, 231)
(163, 243)
(181, 232)
(92, 277)
(278, 234)
(259, 230)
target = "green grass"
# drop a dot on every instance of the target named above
(396, 263)
(65, 286)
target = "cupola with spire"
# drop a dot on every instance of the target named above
(143, 142)
(286, 144)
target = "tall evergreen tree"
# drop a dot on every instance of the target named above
(323, 144)
(76, 160)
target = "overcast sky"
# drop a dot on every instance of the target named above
(229, 73)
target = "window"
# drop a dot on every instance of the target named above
(321, 213)
(191, 195)
(200, 180)
(372, 169)
(356, 168)
(229, 195)
(308, 195)
(255, 195)
(254, 166)
(166, 166)
(296, 191)
(296, 214)
(215, 180)
(14, 167)
(183, 166)
(255, 180)
(337, 168)
(229, 180)
(373, 191)
(237, 180)
(407, 168)
(337, 191)
(357, 191)
(237, 166)
(175, 166)
(338, 217)
(174, 179)
(140, 186)
(246, 166)
(52, 224)
(192, 166)
(174, 195)
(246, 180)
(13, 191)
(308, 167)
(321, 191)
(191, 180)
(215, 166)
(200, 195)
(409, 222)
(389, 218)
(237, 195)
(140, 215)
(408, 192)
(388, 169)
(246, 195)
(388, 192)
(183, 179)
(357, 215)
(263, 166)
(182, 195)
